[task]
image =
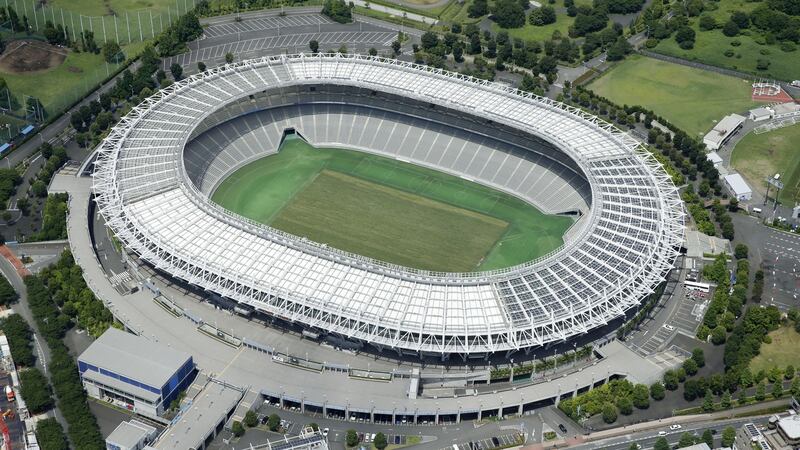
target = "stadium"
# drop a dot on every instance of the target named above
(162, 174)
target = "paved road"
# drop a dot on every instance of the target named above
(41, 349)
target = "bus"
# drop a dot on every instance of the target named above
(697, 286)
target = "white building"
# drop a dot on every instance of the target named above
(738, 187)
(132, 435)
(722, 131)
(714, 158)
(759, 114)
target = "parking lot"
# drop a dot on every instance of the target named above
(264, 23)
(291, 43)
(505, 440)
(781, 253)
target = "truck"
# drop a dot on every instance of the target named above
(9, 393)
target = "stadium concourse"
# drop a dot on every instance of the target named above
(156, 201)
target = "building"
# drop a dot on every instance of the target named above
(759, 114)
(749, 437)
(132, 435)
(700, 446)
(789, 429)
(714, 158)
(134, 373)
(738, 188)
(722, 131)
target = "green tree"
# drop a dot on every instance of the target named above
(7, 293)
(250, 419)
(508, 13)
(777, 389)
(687, 440)
(690, 366)
(201, 66)
(795, 386)
(229, 57)
(542, 16)
(718, 335)
(478, 8)
(708, 401)
(51, 435)
(609, 413)
(741, 251)
(380, 441)
(112, 52)
(661, 444)
(699, 357)
(641, 396)
(351, 438)
(176, 71)
(337, 10)
(35, 389)
(396, 47)
(726, 400)
(313, 45)
(237, 428)
(761, 391)
(313, 426)
(273, 422)
(708, 438)
(657, 391)
(625, 406)
(730, 29)
(633, 446)
(789, 373)
(728, 436)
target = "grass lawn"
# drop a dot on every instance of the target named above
(710, 46)
(58, 87)
(758, 156)
(539, 33)
(781, 352)
(107, 7)
(692, 99)
(389, 210)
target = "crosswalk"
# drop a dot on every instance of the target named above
(120, 278)
(264, 23)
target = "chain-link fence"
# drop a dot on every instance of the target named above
(124, 27)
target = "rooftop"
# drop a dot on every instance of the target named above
(723, 128)
(737, 183)
(790, 426)
(134, 357)
(129, 434)
(714, 158)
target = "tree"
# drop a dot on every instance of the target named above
(686, 440)
(728, 436)
(337, 10)
(112, 52)
(7, 293)
(690, 366)
(51, 435)
(661, 444)
(777, 389)
(35, 390)
(789, 373)
(657, 391)
(633, 446)
(313, 45)
(796, 387)
(726, 400)
(351, 438)
(761, 391)
(201, 66)
(741, 19)
(250, 419)
(641, 396)
(176, 71)
(429, 40)
(478, 8)
(730, 29)
(708, 438)
(273, 422)
(708, 401)
(685, 37)
(380, 441)
(671, 380)
(39, 189)
(609, 413)
(741, 251)
(699, 357)
(707, 22)
(508, 13)
(620, 49)
(237, 428)
(373, 51)
(542, 16)
(396, 47)
(229, 57)
(625, 405)
(718, 335)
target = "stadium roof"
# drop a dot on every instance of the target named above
(134, 357)
(621, 250)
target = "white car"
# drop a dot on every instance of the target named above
(796, 83)
(675, 427)
(325, 431)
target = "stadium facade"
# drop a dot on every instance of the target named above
(158, 167)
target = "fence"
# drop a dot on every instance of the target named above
(125, 27)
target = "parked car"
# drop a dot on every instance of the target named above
(675, 427)
(325, 431)
(562, 428)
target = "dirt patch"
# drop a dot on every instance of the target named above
(30, 56)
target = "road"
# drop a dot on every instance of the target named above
(41, 349)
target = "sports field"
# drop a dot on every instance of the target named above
(758, 156)
(692, 99)
(781, 352)
(389, 210)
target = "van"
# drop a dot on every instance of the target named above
(662, 433)
(757, 210)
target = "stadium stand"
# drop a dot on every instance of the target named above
(622, 249)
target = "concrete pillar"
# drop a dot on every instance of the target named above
(325, 410)
(394, 418)
(458, 416)
(303, 405)
(372, 416)
(519, 409)
(436, 417)
(415, 417)
(281, 400)
(480, 414)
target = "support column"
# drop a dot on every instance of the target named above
(458, 416)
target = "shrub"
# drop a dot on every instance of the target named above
(762, 64)
(788, 46)
(609, 413)
(736, 42)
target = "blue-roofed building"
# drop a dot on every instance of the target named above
(135, 373)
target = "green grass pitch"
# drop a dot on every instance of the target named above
(389, 210)
(692, 99)
(758, 156)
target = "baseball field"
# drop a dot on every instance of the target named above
(389, 210)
